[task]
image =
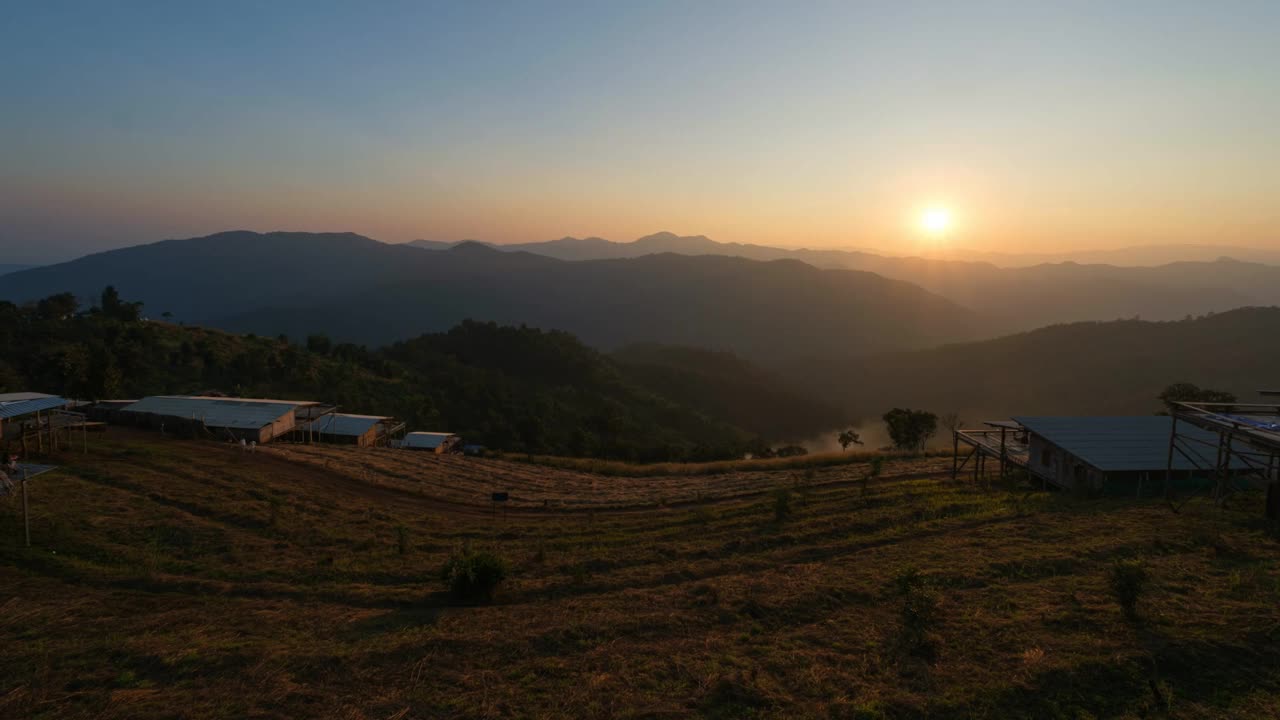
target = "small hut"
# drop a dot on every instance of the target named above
(358, 430)
(439, 443)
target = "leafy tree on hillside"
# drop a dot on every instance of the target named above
(791, 451)
(1187, 392)
(911, 429)
(319, 344)
(847, 438)
(951, 421)
(57, 307)
(116, 309)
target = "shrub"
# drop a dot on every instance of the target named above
(782, 504)
(474, 576)
(907, 580)
(921, 608)
(1128, 580)
(877, 466)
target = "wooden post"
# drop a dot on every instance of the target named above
(39, 433)
(955, 454)
(26, 514)
(1273, 490)
(1003, 454)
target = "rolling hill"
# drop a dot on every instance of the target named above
(361, 290)
(509, 388)
(724, 385)
(1012, 299)
(1110, 368)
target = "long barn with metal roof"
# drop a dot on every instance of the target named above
(254, 419)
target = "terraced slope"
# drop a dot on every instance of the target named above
(462, 483)
(172, 578)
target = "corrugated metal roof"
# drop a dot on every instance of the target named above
(346, 424)
(1123, 444)
(17, 408)
(241, 413)
(426, 440)
(16, 396)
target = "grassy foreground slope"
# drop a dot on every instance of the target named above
(179, 578)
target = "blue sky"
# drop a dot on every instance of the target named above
(1042, 126)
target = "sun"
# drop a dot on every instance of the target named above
(935, 220)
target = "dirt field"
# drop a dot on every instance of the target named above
(179, 579)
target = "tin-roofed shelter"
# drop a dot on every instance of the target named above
(359, 430)
(1217, 437)
(1112, 454)
(256, 419)
(16, 405)
(437, 442)
(30, 419)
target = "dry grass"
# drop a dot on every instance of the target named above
(183, 579)
(617, 468)
(460, 482)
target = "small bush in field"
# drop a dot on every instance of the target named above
(782, 504)
(474, 576)
(921, 606)
(877, 465)
(402, 539)
(1128, 581)
(907, 580)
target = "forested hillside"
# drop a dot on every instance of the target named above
(728, 386)
(1083, 368)
(510, 388)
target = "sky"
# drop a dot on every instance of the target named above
(1040, 126)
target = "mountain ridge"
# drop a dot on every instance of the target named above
(358, 289)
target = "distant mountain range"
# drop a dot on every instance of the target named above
(358, 289)
(5, 269)
(858, 339)
(1137, 256)
(1114, 367)
(1009, 299)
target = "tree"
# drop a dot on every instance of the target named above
(911, 429)
(1187, 392)
(847, 438)
(950, 421)
(319, 343)
(116, 309)
(791, 451)
(57, 307)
